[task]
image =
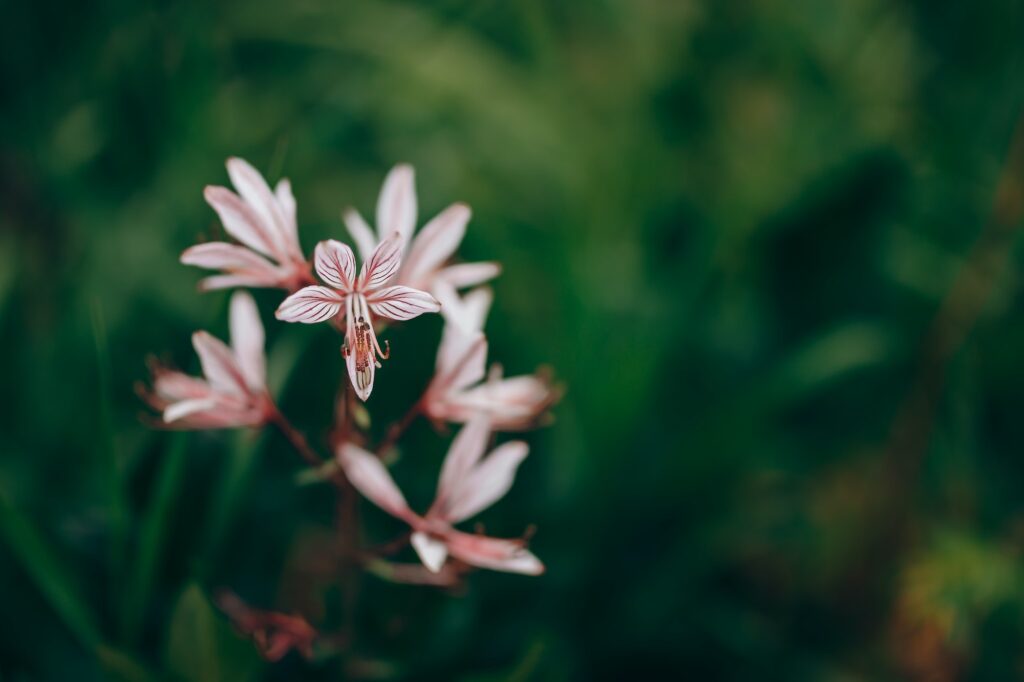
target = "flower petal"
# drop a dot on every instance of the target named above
(468, 312)
(361, 371)
(241, 221)
(461, 358)
(494, 553)
(432, 552)
(286, 205)
(310, 305)
(436, 243)
(402, 303)
(366, 472)
(256, 192)
(466, 449)
(362, 234)
(486, 483)
(469, 274)
(336, 264)
(219, 365)
(383, 264)
(184, 408)
(226, 257)
(396, 205)
(247, 340)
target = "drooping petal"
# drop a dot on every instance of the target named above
(465, 451)
(366, 472)
(362, 234)
(256, 192)
(361, 344)
(435, 243)
(383, 264)
(286, 204)
(241, 221)
(469, 274)
(402, 303)
(310, 305)
(432, 552)
(486, 483)
(496, 554)
(336, 264)
(184, 408)
(247, 340)
(219, 365)
(396, 205)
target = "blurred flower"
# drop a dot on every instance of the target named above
(455, 393)
(274, 633)
(233, 392)
(469, 484)
(264, 222)
(355, 299)
(423, 266)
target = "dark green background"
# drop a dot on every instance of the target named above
(728, 226)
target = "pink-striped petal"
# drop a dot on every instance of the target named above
(247, 340)
(465, 451)
(336, 264)
(396, 205)
(402, 303)
(241, 221)
(219, 365)
(436, 243)
(361, 370)
(310, 305)
(432, 552)
(362, 234)
(383, 263)
(496, 554)
(366, 472)
(256, 192)
(486, 483)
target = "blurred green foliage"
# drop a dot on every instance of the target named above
(728, 227)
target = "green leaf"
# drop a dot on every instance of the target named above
(202, 647)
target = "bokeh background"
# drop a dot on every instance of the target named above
(770, 249)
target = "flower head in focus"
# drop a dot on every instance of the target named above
(469, 483)
(458, 389)
(264, 222)
(358, 300)
(424, 264)
(233, 391)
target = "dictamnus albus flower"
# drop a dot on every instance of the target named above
(264, 222)
(459, 390)
(359, 300)
(424, 266)
(470, 482)
(233, 389)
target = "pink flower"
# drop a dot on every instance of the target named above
(456, 393)
(233, 392)
(423, 266)
(469, 484)
(358, 300)
(264, 222)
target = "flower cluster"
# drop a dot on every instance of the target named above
(404, 274)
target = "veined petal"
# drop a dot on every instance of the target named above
(383, 264)
(241, 221)
(247, 340)
(366, 472)
(469, 274)
(226, 257)
(436, 243)
(396, 205)
(486, 483)
(402, 303)
(256, 192)
(286, 205)
(360, 346)
(336, 264)
(496, 554)
(219, 365)
(184, 408)
(432, 552)
(310, 305)
(465, 451)
(362, 234)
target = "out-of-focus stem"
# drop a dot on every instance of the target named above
(399, 427)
